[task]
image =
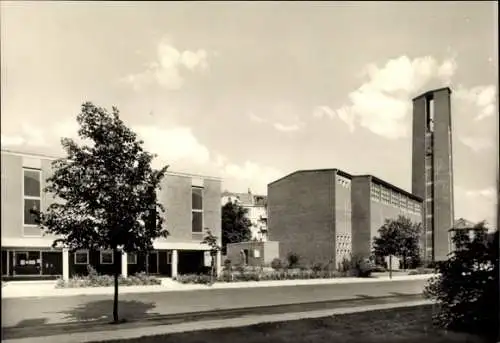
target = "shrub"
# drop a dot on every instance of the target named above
(422, 271)
(317, 267)
(194, 279)
(277, 264)
(467, 288)
(293, 260)
(93, 279)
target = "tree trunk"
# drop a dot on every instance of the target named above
(115, 300)
(390, 266)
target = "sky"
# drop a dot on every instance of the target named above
(252, 91)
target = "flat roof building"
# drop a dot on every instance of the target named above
(325, 215)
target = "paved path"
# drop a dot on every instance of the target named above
(25, 312)
(127, 333)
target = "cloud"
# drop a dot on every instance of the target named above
(255, 118)
(286, 128)
(29, 136)
(383, 103)
(173, 145)
(477, 143)
(168, 67)
(483, 97)
(476, 204)
(249, 175)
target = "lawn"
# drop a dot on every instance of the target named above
(394, 325)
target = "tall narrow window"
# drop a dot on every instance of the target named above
(32, 194)
(197, 209)
(430, 115)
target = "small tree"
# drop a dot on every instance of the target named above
(235, 224)
(466, 289)
(211, 241)
(397, 237)
(107, 191)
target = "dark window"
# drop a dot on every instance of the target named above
(32, 183)
(197, 224)
(30, 204)
(197, 196)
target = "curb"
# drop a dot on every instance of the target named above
(60, 292)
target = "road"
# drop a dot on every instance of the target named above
(33, 312)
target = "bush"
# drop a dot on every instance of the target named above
(356, 267)
(93, 279)
(293, 260)
(194, 279)
(466, 290)
(422, 271)
(277, 264)
(317, 267)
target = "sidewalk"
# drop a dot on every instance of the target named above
(127, 333)
(15, 289)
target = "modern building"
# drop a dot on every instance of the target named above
(432, 169)
(325, 215)
(192, 204)
(256, 206)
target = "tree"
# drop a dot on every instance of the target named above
(235, 224)
(211, 241)
(466, 289)
(397, 237)
(108, 191)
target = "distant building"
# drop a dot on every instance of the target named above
(257, 211)
(432, 169)
(327, 214)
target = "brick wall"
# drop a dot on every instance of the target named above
(301, 215)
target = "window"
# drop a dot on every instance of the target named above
(417, 207)
(82, 257)
(197, 210)
(385, 195)
(107, 257)
(375, 192)
(394, 198)
(132, 258)
(169, 257)
(430, 115)
(32, 194)
(402, 201)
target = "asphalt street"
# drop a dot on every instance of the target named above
(33, 312)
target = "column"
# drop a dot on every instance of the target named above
(218, 263)
(124, 264)
(8, 263)
(175, 261)
(65, 270)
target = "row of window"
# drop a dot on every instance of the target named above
(32, 196)
(387, 196)
(108, 257)
(346, 183)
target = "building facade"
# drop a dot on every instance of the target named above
(327, 215)
(192, 203)
(432, 169)
(256, 205)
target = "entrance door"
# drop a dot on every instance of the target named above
(153, 262)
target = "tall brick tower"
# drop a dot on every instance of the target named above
(432, 169)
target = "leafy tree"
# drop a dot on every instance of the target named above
(235, 224)
(108, 191)
(211, 241)
(466, 289)
(397, 237)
